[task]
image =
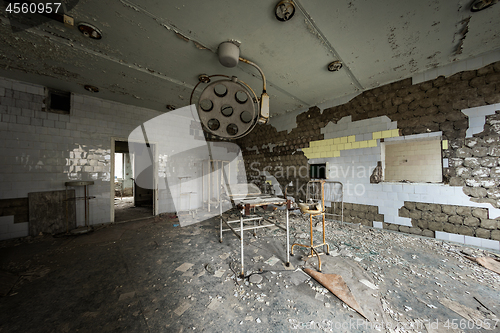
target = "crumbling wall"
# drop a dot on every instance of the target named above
(476, 163)
(357, 213)
(427, 218)
(433, 106)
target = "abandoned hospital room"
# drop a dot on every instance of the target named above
(250, 166)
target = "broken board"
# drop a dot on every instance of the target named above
(51, 212)
(338, 287)
(488, 262)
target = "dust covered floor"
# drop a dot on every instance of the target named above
(126, 211)
(154, 276)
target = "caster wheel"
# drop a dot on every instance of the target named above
(287, 264)
(292, 254)
(220, 241)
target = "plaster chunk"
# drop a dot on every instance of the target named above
(489, 162)
(494, 151)
(471, 142)
(472, 162)
(463, 152)
(489, 183)
(480, 151)
(481, 172)
(494, 193)
(463, 172)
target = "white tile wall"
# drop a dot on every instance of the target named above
(39, 149)
(477, 118)
(389, 197)
(468, 240)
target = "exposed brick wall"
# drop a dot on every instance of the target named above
(284, 154)
(358, 213)
(429, 106)
(426, 218)
(475, 164)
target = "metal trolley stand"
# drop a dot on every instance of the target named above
(247, 203)
(315, 206)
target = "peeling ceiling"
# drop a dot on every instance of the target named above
(152, 52)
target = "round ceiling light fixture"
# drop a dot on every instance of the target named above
(478, 5)
(89, 30)
(227, 108)
(335, 66)
(284, 10)
(91, 88)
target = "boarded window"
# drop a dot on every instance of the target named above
(415, 161)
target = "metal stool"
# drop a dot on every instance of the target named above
(314, 209)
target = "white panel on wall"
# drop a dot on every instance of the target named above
(354, 167)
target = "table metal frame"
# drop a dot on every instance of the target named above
(246, 205)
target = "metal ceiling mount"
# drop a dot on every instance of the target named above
(91, 88)
(89, 30)
(478, 5)
(335, 66)
(284, 10)
(204, 78)
(228, 107)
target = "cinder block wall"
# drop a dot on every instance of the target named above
(458, 109)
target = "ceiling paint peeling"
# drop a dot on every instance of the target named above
(464, 29)
(165, 24)
(146, 57)
(71, 43)
(313, 28)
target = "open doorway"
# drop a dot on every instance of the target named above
(131, 201)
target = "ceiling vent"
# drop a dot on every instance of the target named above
(478, 5)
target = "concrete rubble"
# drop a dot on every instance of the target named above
(403, 283)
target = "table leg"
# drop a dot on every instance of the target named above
(287, 240)
(241, 244)
(220, 220)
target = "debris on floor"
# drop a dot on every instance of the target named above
(271, 261)
(402, 283)
(489, 262)
(470, 315)
(184, 267)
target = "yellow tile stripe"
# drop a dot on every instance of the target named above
(332, 147)
(385, 134)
